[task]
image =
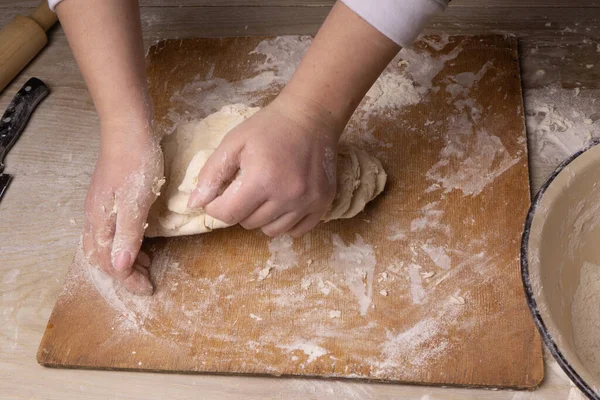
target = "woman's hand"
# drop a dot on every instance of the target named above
(275, 171)
(125, 183)
(106, 39)
(282, 160)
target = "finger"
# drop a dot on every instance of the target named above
(264, 215)
(239, 201)
(102, 235)
(128, 239)
(220, 169)
(282, 224)
(102, 259)
(142, 270)
(305, 225)
(143, 259)
(138, 283)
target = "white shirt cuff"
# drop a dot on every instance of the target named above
(53, 3)
(400, 20)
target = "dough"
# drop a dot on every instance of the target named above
(370, 172)
(348, 179)
(360, 177)
(185, 152)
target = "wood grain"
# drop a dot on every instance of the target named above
(263, 327)
(36, 223)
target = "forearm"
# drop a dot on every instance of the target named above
(106, 40)
(344, 60)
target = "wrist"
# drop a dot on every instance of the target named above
(300, 107)
(127, 134)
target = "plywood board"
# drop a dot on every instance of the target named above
(423, 287)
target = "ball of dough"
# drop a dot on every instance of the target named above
(360, 177)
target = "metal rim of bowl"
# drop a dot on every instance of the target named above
(537, 318)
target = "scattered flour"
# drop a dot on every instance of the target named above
(423, 68)
(205, 95)
(283, 255)
(424, 342)
(391, 91)
(356, 262)
(263, 273)
(431, 220)
(470, 174)
(256, 317)
(556, 126)
(463, 82)
(311, 350)
(417, 291)
(395, 233)
(438, 255)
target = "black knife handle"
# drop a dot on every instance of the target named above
(18, 112)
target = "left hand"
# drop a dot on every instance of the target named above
(282, 162)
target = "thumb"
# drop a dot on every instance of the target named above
(214, 177)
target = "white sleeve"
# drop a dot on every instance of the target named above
(400, 20)
(53, 3)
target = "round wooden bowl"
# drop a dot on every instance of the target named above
(562, 233)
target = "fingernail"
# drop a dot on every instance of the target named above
(195, 198)
(122, 261)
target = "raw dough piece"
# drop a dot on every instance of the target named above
(360, 177)
(371, 175)
(348, 179)
(185, 152)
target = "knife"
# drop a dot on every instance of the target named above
(15, 119)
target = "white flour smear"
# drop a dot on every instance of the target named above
(421, 344)
(462, 83)
(146, 315)
(422, 67)
(136, 310)
(311, 350)
(438, 255)
(391, 93)
(283, 255)
(470, 162)
(430, 220)
(417, 291)
(205, 95)
(356, 262)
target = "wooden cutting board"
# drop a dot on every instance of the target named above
(423, 287)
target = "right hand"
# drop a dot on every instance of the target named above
(286, 158)
(124, 185)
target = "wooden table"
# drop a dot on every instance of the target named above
(42, 213)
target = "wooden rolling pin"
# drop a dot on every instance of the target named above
(22, 39)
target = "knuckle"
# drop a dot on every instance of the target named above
(297, 188)
(266, 181)
(222, 215)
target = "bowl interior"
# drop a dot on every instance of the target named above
(562, 236)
